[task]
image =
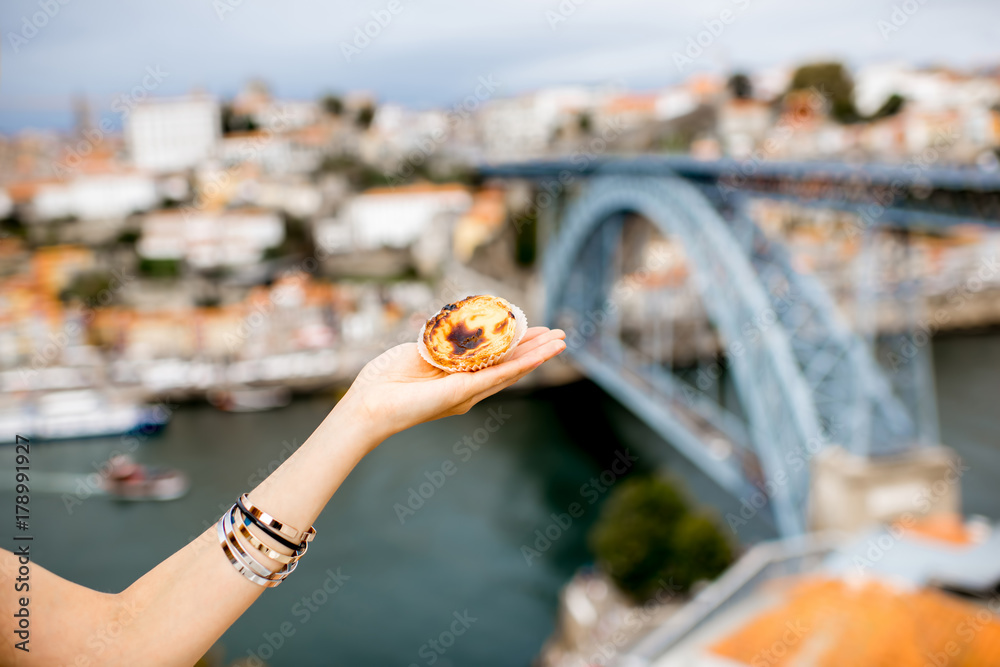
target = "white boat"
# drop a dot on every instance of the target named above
(250, 399)
(83, 413)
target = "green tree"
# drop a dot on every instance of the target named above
(298, 239)
(87, 286)
(233, 122)
(892, 106)
(160, 268)
(704, 551)
(128, 237)
(366, 115)
(358, 173)
(332, 104)
(646, 537)
(525, 238)
(833, 81)
(740, 86)
(13, 225)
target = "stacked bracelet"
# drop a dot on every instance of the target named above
(242, 524)
(290, 537)
(238, 520)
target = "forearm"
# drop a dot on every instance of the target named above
(186, 603)
(174, 613)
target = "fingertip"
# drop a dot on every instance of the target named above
(547, 351)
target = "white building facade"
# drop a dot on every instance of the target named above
(165, 135)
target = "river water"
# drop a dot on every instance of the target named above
(400, 582)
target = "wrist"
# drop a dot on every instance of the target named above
(351, 422)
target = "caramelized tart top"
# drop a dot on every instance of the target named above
(470, 331)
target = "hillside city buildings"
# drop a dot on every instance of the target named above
(211, 231)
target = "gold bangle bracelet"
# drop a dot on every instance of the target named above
(243, 569)
(242, 525)
(245, 563)
(298, 537)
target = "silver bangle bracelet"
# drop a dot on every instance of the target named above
(243, 562)
(242, 525)
(227, 550)
(296, 536)
(248, 559)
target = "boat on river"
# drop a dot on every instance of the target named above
(250, 399)
(128, 480)
(79, 413)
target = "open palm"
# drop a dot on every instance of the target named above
(398, 389)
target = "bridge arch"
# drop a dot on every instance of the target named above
(782, 427)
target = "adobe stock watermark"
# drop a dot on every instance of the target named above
(455, 116)
(105, 636)
(591, 491)
(776, 653)
(956, 298)
(899, 17)
(703, 39)
(915, 180)
(923, 502)
(122, 105)
(288, 447)
(562, 12)
(225, 7)
(50, 351)
(260, 313)
(94, 483)
(751, 331)
(780, 135)
(464, 450)
(223, 179)
(586, 154)
(365, 34)
(448, 291)
(207, 536)
(302, 610)
(634, 621)
(32, 25)
(432, 650)
(795, 461)
(966, 631)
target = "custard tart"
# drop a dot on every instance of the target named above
(472, 334)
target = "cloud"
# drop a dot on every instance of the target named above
(433, 50)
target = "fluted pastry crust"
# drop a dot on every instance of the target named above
(473, 333)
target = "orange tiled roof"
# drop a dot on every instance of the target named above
(833, 623)
(24, 191)
(632, 103)
(315, 135)
(246, 134)
(941, 527)
(417, 188)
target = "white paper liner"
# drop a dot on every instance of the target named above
(520, 328)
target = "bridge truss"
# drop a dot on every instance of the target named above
(802, 378)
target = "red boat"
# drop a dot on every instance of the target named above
(129, 480)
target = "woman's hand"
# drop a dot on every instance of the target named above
(177, 610)
(398, 389)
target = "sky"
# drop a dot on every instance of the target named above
(433, 52)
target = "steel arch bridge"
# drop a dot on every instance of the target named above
(802, 378)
